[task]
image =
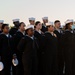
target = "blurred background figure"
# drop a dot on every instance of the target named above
(45, 20)
(32, 21)
(1, 23)
(14, 29)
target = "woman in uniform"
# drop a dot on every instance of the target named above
(51, 50)
(40, 36)
(29, 46)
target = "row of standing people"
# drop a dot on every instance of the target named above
(40, 50)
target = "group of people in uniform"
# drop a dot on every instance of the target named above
(38, 48)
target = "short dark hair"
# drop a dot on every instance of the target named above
(37, 22)
(3, 26)
(20, 23)
(56, 21)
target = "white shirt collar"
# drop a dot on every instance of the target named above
(30, 37)
(39, 31)
(22, 32)
(7, 35)
(58, 30)
(44, 25)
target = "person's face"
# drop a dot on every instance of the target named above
(30, 32)
(22, 27)
(64, 27)
(16, 23)
(71, 23)
(39, 26)
(6, 29)
(69, 26)
(51, 28)
(32, 22)
(45, 20)
(58, 25)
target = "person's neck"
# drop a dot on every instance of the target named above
(69, 29)
(16, 26)
(57, 28)
(5, 33)
(30, 35)
(22, 31)
(44, 23)
(37, 29)
(51, 32)
(31, 24)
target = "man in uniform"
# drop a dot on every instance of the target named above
(32, 21)
(16, 38)
(45, 20)
(1, 23)
(14, 29)
(59, 33)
